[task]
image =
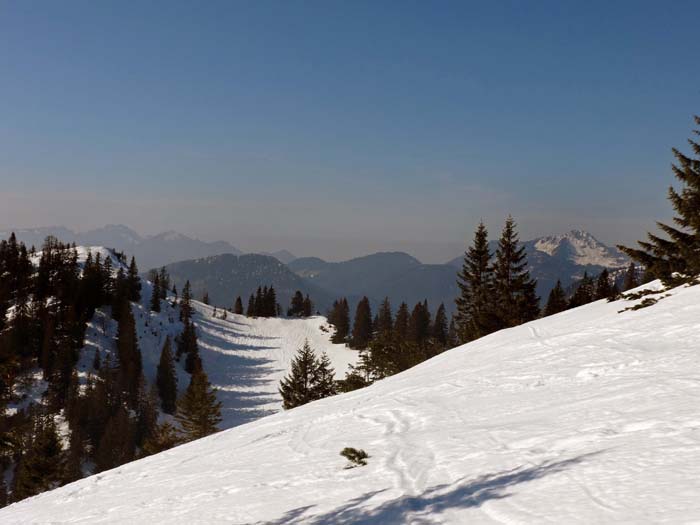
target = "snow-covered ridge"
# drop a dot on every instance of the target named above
(581, 248)
(589, 416)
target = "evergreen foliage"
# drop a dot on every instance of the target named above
(557, 301)
(678, 252)
(199, 412)
(166, 379)
(309, 379)
(362, 327)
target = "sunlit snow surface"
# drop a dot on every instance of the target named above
(589, 416)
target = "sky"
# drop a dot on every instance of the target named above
(340, 128)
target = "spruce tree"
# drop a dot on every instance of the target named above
(205, 297)
(324, 379)
(166, 379)
(385, 321)
(117, 444)
(155, 294)
(308, 307)
(584, 293)
(186, 302)
(238, 306)
(164, 280)
(297, 388)
(515, 300)
(134, 282)
(475, 312)
(164, 437)
(199, 412)
(557, 300)
(419, 324)
(631, 278)
(250, 311)
(440, 327)
(296, 307)
(129, 355)
(603, 288)
(362, 327)
(401, 323)
(340, 318)
(680, 251)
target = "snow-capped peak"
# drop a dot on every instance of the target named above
(582, 248)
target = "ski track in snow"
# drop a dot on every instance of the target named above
(588, 416)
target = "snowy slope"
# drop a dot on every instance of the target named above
(590, 416)
(244, 358)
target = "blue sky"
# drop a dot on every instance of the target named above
(339, 128)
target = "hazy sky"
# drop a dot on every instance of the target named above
(339, 128)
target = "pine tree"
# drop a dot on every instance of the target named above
(238, 306)
(186, 302)
(129, 355)
(134, 282)
(199, 412)
(557, 300)
(631, 278)
(250, 311)
(205, 297)
(339, 317)
(440, 327)
(117, 444)
(584, 293)
(401, 323)
(603, 288)
(384, 325)
(164, 280)
(515, 300)
(166, 380)
(296, 388)
(164, 438)
(155, 294)
(308, 307)
(324, 379)
(362, 327)
(296, 307)
(419, 324)
(680, 252)
(475, 312)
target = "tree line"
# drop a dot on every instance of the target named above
(47, 300)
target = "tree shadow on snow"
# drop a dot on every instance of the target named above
(422, 508)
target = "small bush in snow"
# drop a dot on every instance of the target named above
(357, 458)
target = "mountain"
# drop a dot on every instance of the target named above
(227, 276)
(565, 257)
(396, 275)
(282, 255)
(589, 416)
(150, 251)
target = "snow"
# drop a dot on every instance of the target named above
(587, 250)
(589, 416)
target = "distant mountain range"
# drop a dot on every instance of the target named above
(150, 251)
(220, 268)
(565, 257)
(225, 277)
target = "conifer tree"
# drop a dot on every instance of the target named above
(680, 251)
(475, 311)
(164, 437)
(324, 380)
(166, 380)
(340, 318)
(134, 282)
(186, 302)
(117, 444)
(129, 355)
(250, 311)
(205, 297)
(296, 307)
(308, 307)
(515, 301)
(584, 293)
(199, 412)
(557, 300)
(401, 323)
(156, 294)
(238, 306)
(385, 322)
(631, 278)
(362, 327)
(297, 388)
(164, 280)
(603, 288)
(440, 327)
(419, 324)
